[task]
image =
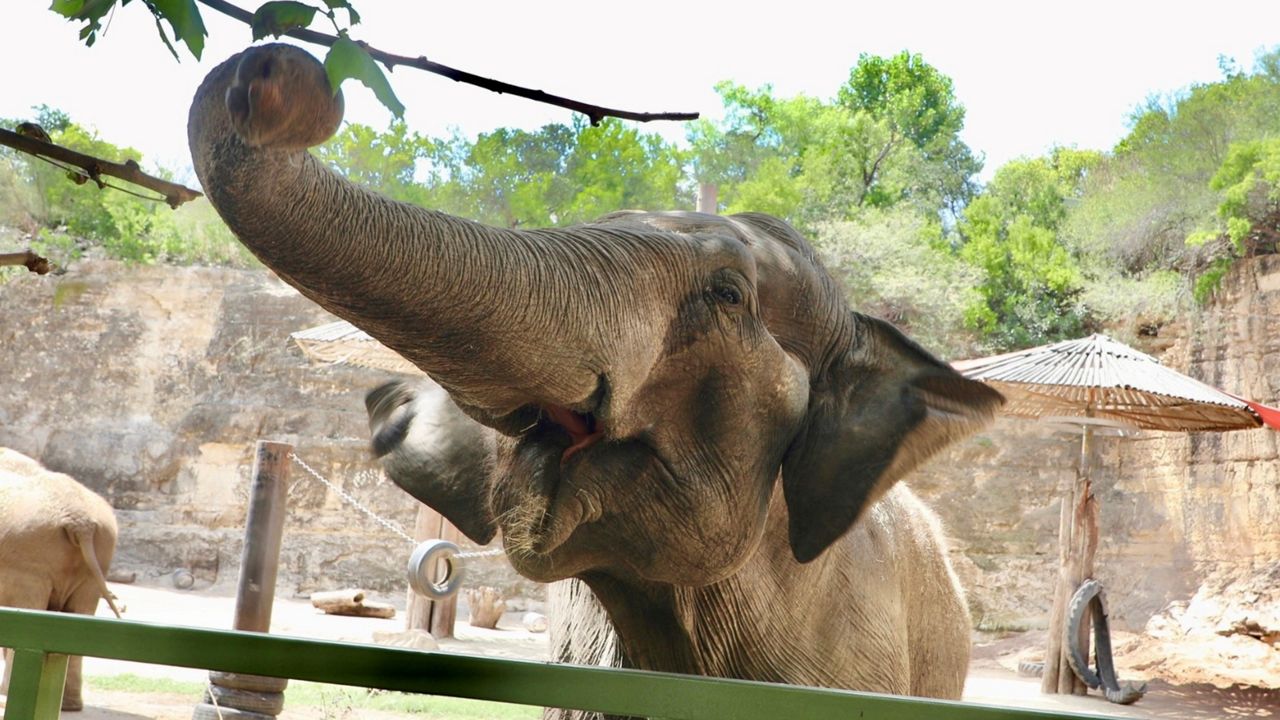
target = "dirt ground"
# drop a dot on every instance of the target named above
(992, 680)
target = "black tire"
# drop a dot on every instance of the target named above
(1089, 598)
(205, 711)
(1030, 669)
(1080, 604)
(265, 703)
(253, 683)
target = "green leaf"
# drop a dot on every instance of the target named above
(67, 8)
(280, 16)
(164, 37)
(184, 17)
(90, 11)
(346, 59)
(336, 4)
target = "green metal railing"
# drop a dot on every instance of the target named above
(42, 641)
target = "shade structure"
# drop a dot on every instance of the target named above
(342, 342)
(1090, 381)
(1097, 377)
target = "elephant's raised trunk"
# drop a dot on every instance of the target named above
(502, 319)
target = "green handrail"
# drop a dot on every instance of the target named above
(42, 640)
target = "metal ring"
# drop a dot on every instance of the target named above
(422, 569)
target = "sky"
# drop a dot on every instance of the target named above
(1031, 75)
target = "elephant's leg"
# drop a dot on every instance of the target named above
(20, 590)
(84, 601)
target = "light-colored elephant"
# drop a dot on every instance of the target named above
(690, 419)
(56, 542)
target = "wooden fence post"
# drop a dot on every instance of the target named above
(262, 697)
(435, 616)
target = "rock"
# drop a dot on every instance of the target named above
(534, 622)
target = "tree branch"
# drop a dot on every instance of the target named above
(595, 113)
(94, 168)
(34, 262)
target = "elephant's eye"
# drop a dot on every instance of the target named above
(727, 294)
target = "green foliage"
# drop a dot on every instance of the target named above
(347, 59)
(890, 137)
(278, 17)
(515, 178)
(1208, 282)
(1032, 283)
(66, 220)
(896, 265)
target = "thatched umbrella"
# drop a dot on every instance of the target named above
(342, 342)
(1091, 382)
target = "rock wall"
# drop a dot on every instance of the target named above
(1175, 509)
(152, 384)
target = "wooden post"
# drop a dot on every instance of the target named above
(436, 617)
(1077, 546)
(264, 528)
(228, 693)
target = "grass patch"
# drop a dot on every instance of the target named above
(336, 700)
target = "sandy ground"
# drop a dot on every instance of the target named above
(991, 678)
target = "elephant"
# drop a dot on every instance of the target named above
(688, 416)
(56, 542)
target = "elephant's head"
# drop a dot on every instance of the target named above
(650, 375)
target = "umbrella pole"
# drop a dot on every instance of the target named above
(1077, 545)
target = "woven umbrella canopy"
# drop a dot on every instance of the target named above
(1099, 378)
(1090, 382)
(342, 342)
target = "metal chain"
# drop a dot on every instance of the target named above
(393, 527)
(388, 524)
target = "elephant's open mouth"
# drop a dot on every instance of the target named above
(534, 498)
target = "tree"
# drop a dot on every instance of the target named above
(890, 137)
(1033, 283)
(346, 59)
(912, 103)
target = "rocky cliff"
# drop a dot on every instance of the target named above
(1177, 510)
(152, 384)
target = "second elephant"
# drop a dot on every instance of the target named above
(57, 538)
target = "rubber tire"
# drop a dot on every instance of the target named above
(1076, 610)
(265, 703)
(252, 683)
(205, 711)
(1089, 598)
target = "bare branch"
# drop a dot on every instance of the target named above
(94, 168)
(595, 113)
(34, 262)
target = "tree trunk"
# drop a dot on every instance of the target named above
(708, 198)
(486, 605)
(350, 601)
(1077, 546)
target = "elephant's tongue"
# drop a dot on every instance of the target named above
(581, 429)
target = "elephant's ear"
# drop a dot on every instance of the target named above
(434, 452)
(882, 408)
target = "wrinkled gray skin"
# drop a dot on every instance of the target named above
(690, 418)
(56, 542)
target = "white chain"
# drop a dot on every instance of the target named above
(351, 499)
(393, 527)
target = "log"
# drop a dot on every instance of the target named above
(486, 606)
(350, 601)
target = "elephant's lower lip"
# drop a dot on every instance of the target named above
(537, 510)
